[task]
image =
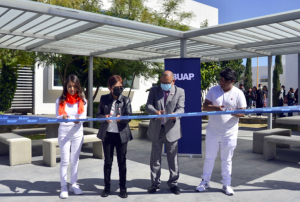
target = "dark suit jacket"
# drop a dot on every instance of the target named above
(123, 103)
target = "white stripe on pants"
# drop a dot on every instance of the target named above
(69, 137)
(227, 143)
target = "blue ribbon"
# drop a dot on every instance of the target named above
(23, 120)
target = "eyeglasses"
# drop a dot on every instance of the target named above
(118, 87)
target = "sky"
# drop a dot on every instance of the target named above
(235, 10)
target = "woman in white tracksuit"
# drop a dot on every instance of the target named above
(73, 105)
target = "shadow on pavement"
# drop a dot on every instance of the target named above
(89, 187)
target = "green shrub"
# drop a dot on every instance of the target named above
(8, 86)
(143, 108)
(1, 112)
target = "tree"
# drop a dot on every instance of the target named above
(10, 62)
(276, 80)
(8, 81)
(61, 61)
(86, 5)
(128, 9)
(129, 70)
(66, 63)
(170, 15)
(248, 74)
(208, 73)
(204, 23)
(101, 71)
(236, 65)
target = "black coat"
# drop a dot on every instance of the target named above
(123, 103)
(251, 96)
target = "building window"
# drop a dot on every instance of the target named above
(57, 81)
(263, 80)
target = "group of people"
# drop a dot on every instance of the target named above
(258, 97)
(167, 98)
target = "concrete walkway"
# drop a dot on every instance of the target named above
(253, 178)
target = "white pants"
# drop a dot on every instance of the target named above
(69, 137)
(213, 143)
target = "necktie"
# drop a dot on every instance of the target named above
(166, 96)
(164, 120)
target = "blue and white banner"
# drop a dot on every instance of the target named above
(187, 75)
(24, 120)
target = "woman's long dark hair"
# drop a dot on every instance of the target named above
(74, 79)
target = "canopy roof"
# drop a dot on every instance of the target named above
(32, 26)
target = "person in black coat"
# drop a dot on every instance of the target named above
(114, 133)
(250, 97)
(291, 99)
(254, 89)
(260, 98)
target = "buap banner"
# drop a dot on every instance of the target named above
(187, 74)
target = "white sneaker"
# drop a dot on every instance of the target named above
(64, 192)
(203, 186)
(75, 189)
(227, 190)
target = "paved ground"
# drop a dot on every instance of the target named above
(253, 178)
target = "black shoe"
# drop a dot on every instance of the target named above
(175, 190)
(152, 189)
(105, 193)
(123, 193)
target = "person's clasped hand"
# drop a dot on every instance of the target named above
(172, 118)
(65, 117)
(119, 119)
(77, 121)
(159, 112)
(107, 116)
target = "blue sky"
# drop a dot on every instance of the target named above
(235, 10)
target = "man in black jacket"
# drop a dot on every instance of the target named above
(260, 97)
(250, 97)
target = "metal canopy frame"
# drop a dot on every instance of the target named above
(32, 26)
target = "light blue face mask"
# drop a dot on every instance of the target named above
(165, 87)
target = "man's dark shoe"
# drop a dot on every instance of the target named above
(152, 189)
(105, 192)
(175, 190)
(123, 193)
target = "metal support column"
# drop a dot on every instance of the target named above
(270, 89)
(298, 79)
(90, 89)
(183, 48)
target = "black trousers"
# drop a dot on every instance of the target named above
(113, 140)
(259, 104)
(280, 104)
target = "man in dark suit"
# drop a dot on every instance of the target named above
(165, 99)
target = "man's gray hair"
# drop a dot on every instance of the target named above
(169, 73)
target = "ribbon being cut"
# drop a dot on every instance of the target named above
(23, 120)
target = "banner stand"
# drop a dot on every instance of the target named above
(187, 75)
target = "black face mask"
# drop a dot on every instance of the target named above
(117, 91)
